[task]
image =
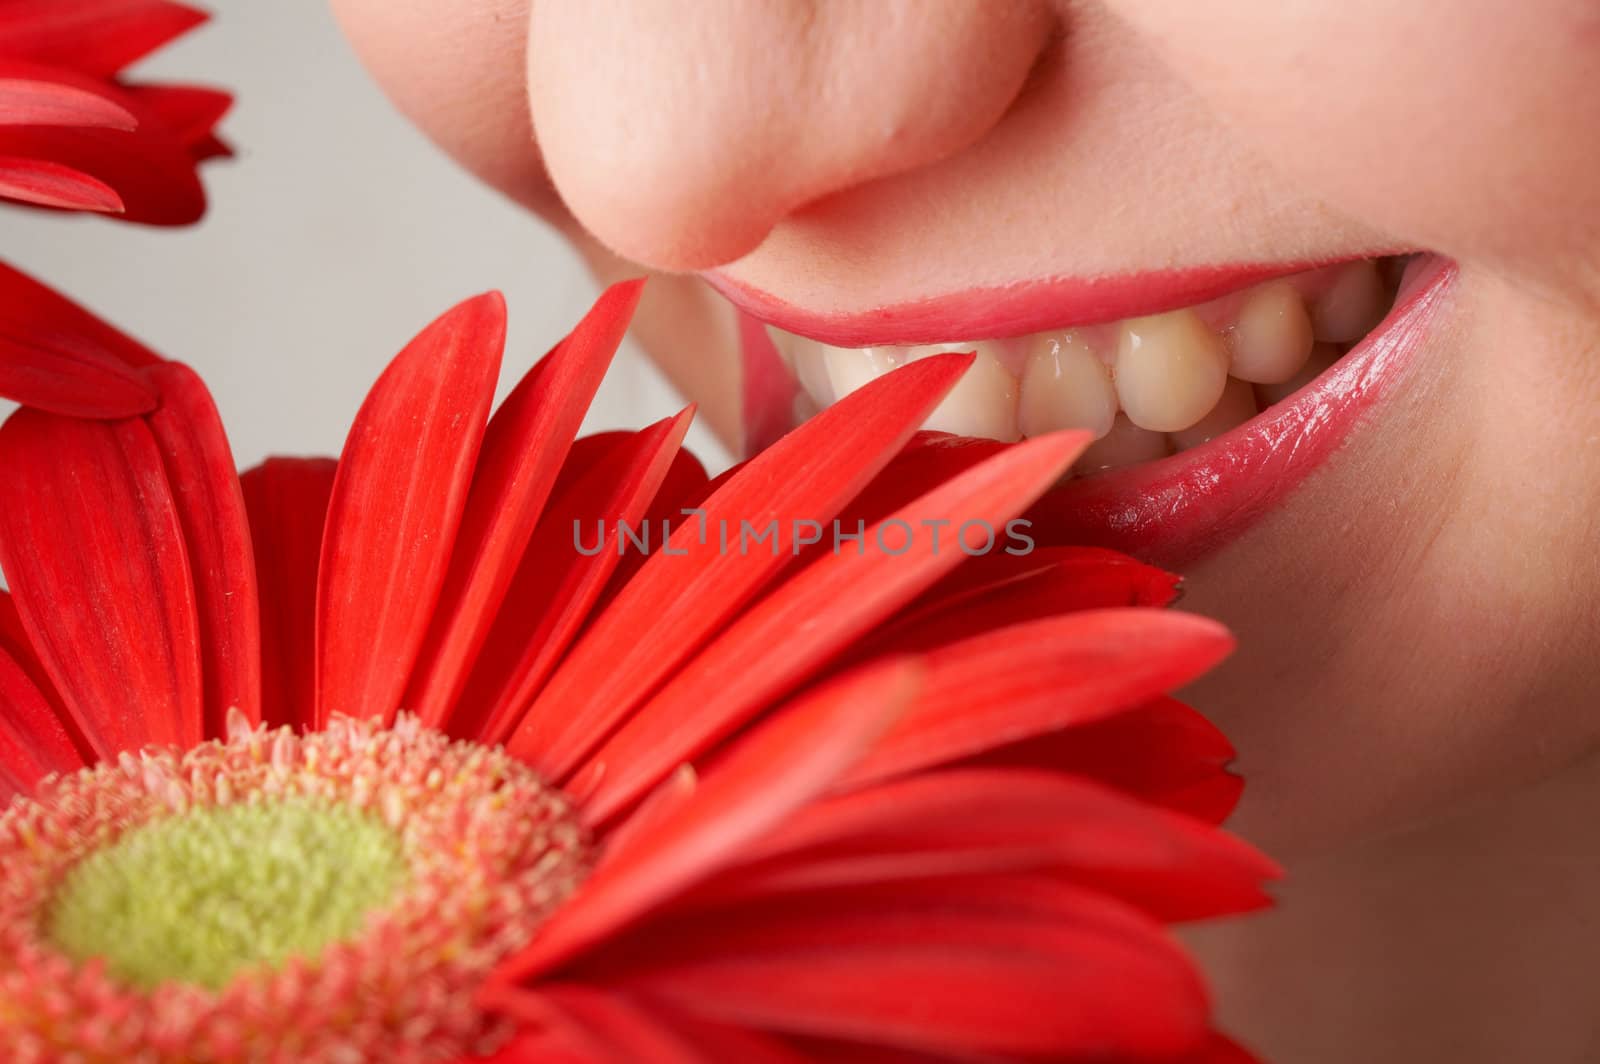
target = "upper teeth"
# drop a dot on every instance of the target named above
(1185, 372)
(1065, 385)
(1170, 370)
(1272, 336)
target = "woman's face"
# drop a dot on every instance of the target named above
(1406, 548)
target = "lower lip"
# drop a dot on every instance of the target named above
(1172, 511)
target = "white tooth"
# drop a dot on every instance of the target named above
(781, 343)
(1237, 405)
(1065, 386)
(1351, 306)
(850, 368)
(804, 409)
(1171, 369)
(1126, 444)
(983, 402)
(1322, 356)
(1272, 337)
(811, 369)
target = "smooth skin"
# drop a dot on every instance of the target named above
(1415, 694)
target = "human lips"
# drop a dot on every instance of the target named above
(1205, 415)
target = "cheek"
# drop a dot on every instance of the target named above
(1416, 631)
(1467, 126)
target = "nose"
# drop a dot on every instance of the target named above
(680, 134)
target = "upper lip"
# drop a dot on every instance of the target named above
(1015, 309)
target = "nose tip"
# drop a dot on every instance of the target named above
(680, 135)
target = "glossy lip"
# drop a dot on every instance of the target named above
(1177, 509)
(1014, 310)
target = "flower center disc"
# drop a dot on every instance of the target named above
(331, 897)
(198, 897)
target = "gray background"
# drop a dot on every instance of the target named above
(336, 233)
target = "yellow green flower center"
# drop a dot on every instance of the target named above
(339, 895)
(199, 897)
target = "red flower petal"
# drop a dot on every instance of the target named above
(602, 1028)
(152, 168)
(38, 315)
(49, 184)
(523, 449)
(397, 501)
(1009, 966)
(97, 37)
(210, 147)
(1147, 585)
(535, 1043)
(985, 821)
(685, 487)
(810, 619)
(605, 1026)
(662, 802)
(216, 532)
(721, 1043)
(1212, 799)
(14, 637)
(189, 111)
(36, 736)
(287, 501)
(1219, 1049)
(1162, 752)
(763, 779)
(33, 742)
(56, 357)
(928, 460)
(679, 599)
(91, 542)
(32, 102)
(997, 590)
(833, 1051)
(69, 378)
(589, 452)
(768, 387)
(192, 112)
(1041, 676)
(555, 587)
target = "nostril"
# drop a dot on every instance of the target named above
(682, 135)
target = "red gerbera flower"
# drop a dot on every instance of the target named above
(372, 760)
(74, 135)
